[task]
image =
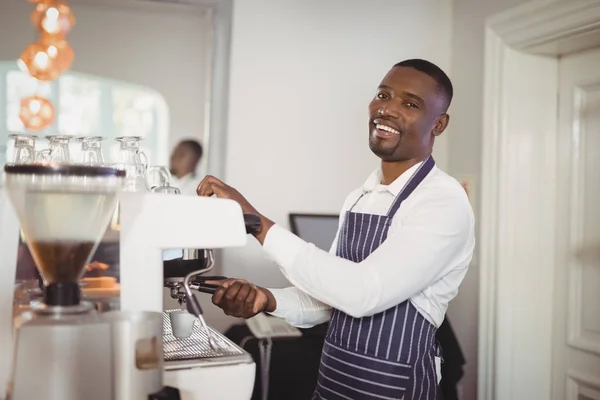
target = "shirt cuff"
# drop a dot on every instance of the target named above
(286, 307)
(283, 247)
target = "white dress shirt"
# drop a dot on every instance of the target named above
(187, 184)
(424, 257)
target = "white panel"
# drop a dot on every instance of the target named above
(591, 308)
(576, 317)
(580, 387)
(525, 276)
(584, 296)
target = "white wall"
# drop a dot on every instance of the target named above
(464, 155)
(302, 75)
(161, 47)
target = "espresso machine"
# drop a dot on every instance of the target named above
(145, 225)
(61, 348)
(204, 364)
(158, 221)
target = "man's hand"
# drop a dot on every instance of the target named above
(240, 298)
(213, 186)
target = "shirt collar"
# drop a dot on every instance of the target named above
(373, 182)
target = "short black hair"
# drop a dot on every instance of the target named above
(429, 68)
(195, 146)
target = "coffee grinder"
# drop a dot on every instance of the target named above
(63, 349)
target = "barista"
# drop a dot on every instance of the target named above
(184, 160)
(405, 241)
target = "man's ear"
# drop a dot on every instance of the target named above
(440, 125)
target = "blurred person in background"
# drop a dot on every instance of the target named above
(184, 161)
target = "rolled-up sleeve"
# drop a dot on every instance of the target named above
(432, 240)
(297, 307)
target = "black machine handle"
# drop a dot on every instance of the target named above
(201, 286)
(166, 393)
(207, 288)
(253, 224)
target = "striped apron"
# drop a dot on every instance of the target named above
(390, 355)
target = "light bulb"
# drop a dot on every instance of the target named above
(36, 112)
(41, 60)
(35, 106)
(53, 17)
(52, 51)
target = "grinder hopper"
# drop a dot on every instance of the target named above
(63, 210)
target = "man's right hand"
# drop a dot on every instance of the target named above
(240, 298)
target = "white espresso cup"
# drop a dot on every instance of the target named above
(182, 323)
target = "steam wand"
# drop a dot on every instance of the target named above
(193, 305)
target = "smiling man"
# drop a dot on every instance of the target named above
(405, 240)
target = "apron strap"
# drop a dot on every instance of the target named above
(408, 188)
(414, 181)
(356, 202)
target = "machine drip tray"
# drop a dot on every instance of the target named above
(195, 351)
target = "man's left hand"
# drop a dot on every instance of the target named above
(213, 186)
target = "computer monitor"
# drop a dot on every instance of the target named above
(319, 229)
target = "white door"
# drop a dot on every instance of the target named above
(576, 335)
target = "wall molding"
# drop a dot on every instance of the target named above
(540, 22)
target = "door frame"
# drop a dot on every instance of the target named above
(518, 192)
